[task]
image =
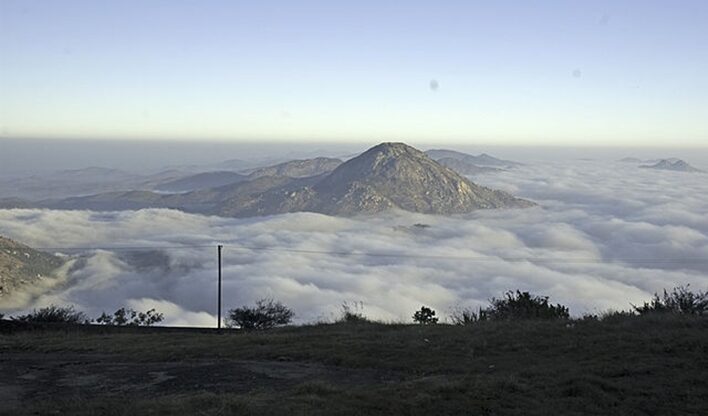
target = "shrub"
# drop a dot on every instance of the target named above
(265, 315)
(680, 300)
(523, 305)
(425, 316)
(353, 312)
(2, 316)
(130, 317)
(53, 313)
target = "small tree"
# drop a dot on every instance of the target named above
(680, 301)
(53, 313)
(265, 315)
(130, 317)
(425, 316)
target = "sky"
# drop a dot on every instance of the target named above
(606, 73)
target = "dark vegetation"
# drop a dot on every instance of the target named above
(352, 312)
(618, 363)
(265, 315)
(680, 300)
(513, 306)
(69, 315)
(54, 314)
(425, 316)
(130, 317)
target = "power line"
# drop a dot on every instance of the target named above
(567, 260)
(110, 248)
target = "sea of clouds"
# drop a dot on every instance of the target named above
(603, 236)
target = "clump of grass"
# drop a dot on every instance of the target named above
(353, 313)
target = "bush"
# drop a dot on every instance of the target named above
(467, 316)
(53, 313)
(353, 312)
(523, 305)
(680, 301)
(265, 315)
(2, 316)
(514, 305)
(425, 316)
(130, 317)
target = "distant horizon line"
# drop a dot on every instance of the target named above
(363, 142)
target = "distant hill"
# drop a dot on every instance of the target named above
(201, 181)
(631, 160)
(387, 176)
(464, 167)
(298, 168)
(293, 169)
(676, 165)
(10, 203)
(21, 265)
(480, 160)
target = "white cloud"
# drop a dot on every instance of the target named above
(599, 233)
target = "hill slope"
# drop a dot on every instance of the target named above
(298, 168)
(21, 265)
(200, 181)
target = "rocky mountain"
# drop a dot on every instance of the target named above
(676, 165)
(298, 168)
(201, 181)
(387, 176)
(479, 160)
(21, 265)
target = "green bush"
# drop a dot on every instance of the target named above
(130, 317)
(265, 315)
(425, 316)
(680, 300)
(53, 313)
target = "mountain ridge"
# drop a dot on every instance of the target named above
(386, 176)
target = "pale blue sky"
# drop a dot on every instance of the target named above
(509, 72)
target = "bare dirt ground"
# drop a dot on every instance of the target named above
(36, 377)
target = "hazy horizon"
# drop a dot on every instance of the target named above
(23, 156)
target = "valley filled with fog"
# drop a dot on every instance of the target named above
(604, 234)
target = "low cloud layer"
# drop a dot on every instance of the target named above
(604, 235)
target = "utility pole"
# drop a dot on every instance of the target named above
(218, 324)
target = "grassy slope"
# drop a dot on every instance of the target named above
(630, 366)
